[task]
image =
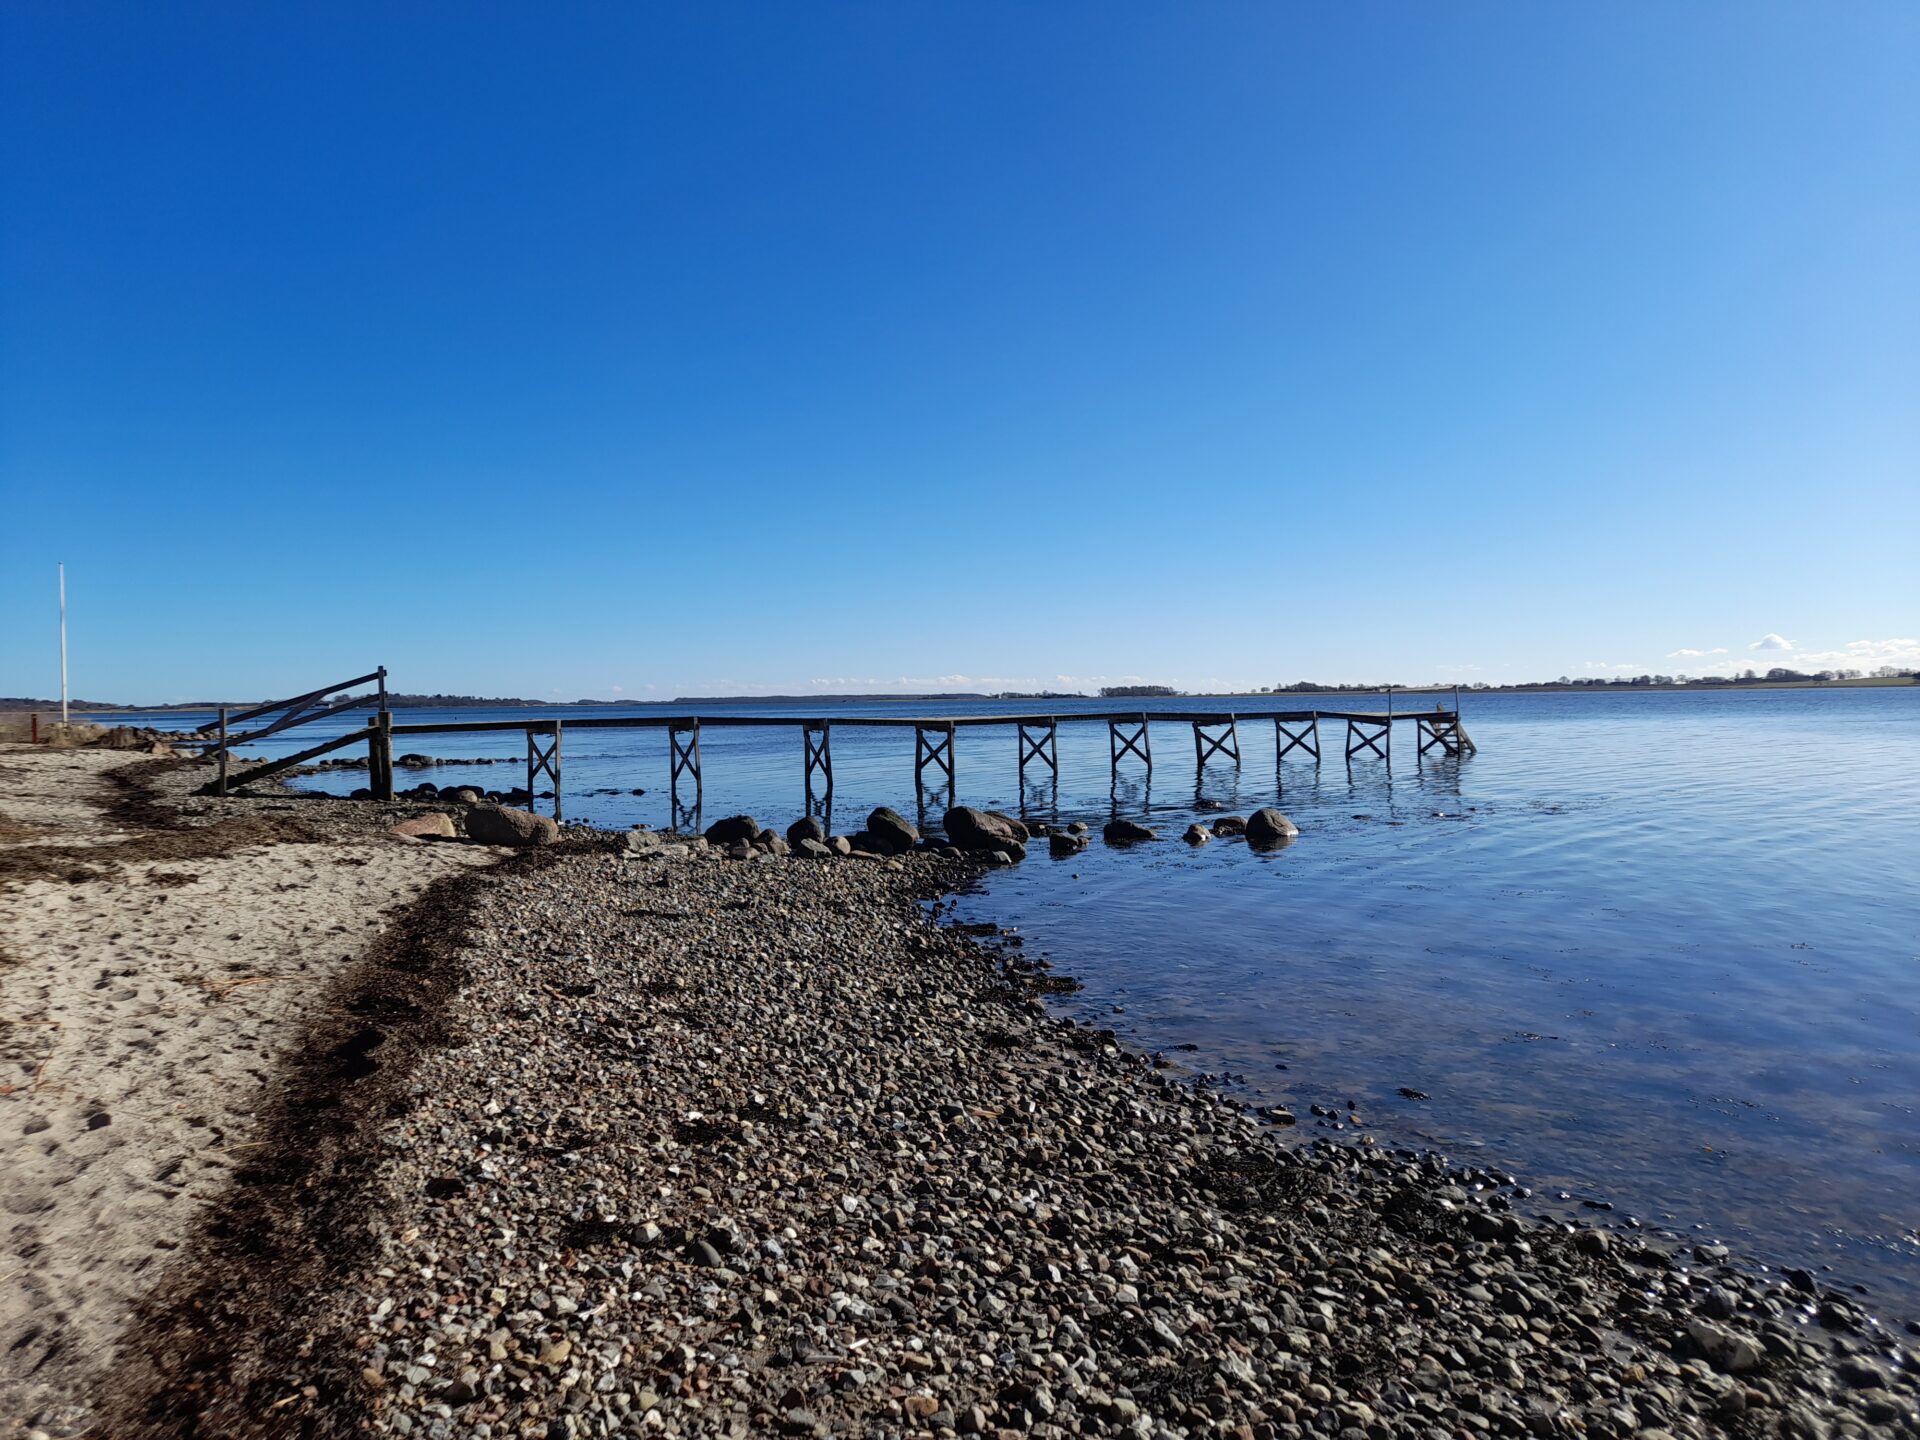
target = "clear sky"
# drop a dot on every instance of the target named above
(688, 349)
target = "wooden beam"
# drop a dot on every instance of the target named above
(287, 762)
(305, 699)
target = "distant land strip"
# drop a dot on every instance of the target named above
(1543, 687)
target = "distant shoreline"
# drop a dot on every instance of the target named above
(437, 702)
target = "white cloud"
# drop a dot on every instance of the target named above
(1603, 665)
(1695, 654)
(1771, 642)
(618, 689)
(1866, 655)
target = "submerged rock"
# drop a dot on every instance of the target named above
(1230, 825)
(1126, 832)
(1197, 835)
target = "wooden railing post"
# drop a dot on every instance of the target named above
(380, 756)
(221, 791)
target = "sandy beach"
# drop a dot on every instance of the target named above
(403, 1140)
(158, 969)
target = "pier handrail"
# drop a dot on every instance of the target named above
(911, 722)
(298, 701)
(300, 710)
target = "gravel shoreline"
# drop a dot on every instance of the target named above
(718, 1147)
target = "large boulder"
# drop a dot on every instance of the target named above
(1126, 832)
(437, 826)
(1269, 827)
(986, 830)
(892, 830)
(734, 830)
(1019, 827)
(804, 829)
(499, 825)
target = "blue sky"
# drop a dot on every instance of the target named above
(596, 349)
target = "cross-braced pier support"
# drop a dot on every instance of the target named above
(1040, 742)
(1129, 737)
(932, 749)
(684, 740)
(1290, 735)
(817, 736)
(1206, 746)
(543, 759)
(1370, 735)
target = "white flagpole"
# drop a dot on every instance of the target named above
(63, 644)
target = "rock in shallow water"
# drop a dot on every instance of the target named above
(1126, 832)
(1268, 826)
(985, 830)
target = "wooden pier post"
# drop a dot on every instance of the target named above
(380, 755)
(1121, 744)
(1042, 745)
(543, 760)
(221, 785)
(1206, 746)
(819, 756)
(685, 758)
(934, 752)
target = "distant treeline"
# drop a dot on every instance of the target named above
(1135, 692)
(481, 702)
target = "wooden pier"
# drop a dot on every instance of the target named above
(1216, 733)
(1368, 734)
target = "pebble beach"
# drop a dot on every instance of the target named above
(688, 1140)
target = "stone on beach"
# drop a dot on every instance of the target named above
(734, 830)
(1268, 826)
(1126, 832)
(500, 825)
(437, 826)
(892, 830)
(804, 829)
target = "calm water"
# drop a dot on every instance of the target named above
(1661, 949)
